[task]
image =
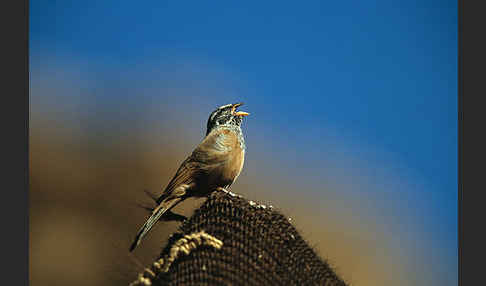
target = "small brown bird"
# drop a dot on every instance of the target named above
(213, 165)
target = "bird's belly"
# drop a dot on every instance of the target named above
(227, 172)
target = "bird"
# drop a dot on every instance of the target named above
(214, 165)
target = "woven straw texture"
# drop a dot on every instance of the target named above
(232, 241)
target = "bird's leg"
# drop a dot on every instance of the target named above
(221, 189)
(227, 192)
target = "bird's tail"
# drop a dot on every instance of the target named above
(156, 215)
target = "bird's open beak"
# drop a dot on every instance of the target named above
(239, 113)
(242, 113)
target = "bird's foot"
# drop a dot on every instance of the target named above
(227, 192)
(221, 189)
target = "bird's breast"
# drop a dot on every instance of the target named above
(228, 145)
(236, 158)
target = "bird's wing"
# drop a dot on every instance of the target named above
(186, 174)
(210, 153)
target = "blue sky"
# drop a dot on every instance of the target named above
(379, 75)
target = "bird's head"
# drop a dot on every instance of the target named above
(226, 115)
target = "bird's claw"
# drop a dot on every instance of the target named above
(221, 189)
